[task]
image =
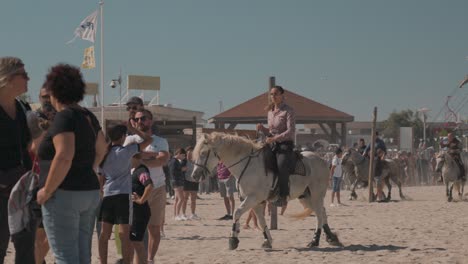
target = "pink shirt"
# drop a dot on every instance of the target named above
(223, 172)
(282, 123)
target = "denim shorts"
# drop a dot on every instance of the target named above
(336, 184)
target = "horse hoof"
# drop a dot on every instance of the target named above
(449, 199)
(233, 243)
(313, 244)
(334, 241)
(266, 244)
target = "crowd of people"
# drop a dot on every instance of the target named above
(119, 178)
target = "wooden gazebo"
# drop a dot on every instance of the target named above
(307, 111)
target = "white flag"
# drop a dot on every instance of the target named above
(87, 28)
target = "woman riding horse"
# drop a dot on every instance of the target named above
(280, 136)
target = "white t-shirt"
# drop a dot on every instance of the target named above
(337, 163)
(159, 144)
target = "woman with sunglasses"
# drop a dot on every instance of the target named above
(70, 151)
(280, 135)
(14, 140)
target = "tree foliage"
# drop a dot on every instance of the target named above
(404, 118)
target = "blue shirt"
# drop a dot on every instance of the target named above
(116, 169)
(379, 144)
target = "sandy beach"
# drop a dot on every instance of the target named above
(423, 229)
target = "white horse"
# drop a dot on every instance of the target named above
(450, 172)
(391, 170)
(245, 160)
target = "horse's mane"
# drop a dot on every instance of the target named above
(235, 142)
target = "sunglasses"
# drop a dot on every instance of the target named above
(142, 119)
(22, 74)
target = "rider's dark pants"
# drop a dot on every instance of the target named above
(457, 159)
(378, 167)
(284, 151)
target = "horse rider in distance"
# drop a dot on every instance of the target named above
(454, 148)
(380, 152)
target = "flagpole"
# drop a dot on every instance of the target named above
(101, 6)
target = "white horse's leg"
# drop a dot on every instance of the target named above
(397, 181)
(447, 192)
(450, 198)
(315, 202)
(353, 194)
(260, 213)
(248, 203)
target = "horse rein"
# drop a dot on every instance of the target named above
(249, 157)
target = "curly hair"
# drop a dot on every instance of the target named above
(65, 83)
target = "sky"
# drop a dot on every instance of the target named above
(351, 55)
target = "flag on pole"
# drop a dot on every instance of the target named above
(87, 28)
(463, 82)
(88, 59)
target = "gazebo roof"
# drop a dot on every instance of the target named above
(307, 111)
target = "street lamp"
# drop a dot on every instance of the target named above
(424, 110)
(113, 84)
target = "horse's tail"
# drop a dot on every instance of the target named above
(302, 215)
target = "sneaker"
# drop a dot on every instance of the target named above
(183, 217)
(332, 205)
(194, 217)
(172, 197)
(163, 235)
(225, 217)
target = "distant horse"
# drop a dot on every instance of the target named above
(391, 170)
(450, 172)
(245, 160)
(349, 174)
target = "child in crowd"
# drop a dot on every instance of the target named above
(177, 168)
(190, 187)
(117, 188)
(336, 174)
(142, 186)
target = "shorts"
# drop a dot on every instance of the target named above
(157, 204)
(191, 186)
(116, 209)
(336, 184)
(141, 217)
(178, 183)
(227, 188)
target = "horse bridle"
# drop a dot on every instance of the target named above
(249, 157)
(204, 167)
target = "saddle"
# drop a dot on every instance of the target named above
(296, 165)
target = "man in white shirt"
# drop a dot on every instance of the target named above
(157, 200)
(336, 173)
